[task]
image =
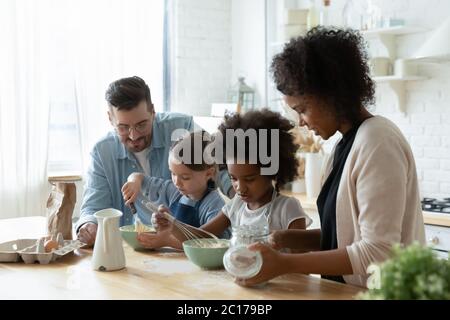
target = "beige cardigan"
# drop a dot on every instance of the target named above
(378, 202)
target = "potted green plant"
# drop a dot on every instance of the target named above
(412, 273)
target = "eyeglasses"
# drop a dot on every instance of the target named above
(125, 130)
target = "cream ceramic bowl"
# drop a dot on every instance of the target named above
(206, 253)
(129, 234)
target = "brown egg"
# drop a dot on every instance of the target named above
(50, 245)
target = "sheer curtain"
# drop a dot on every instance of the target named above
(66, 51)
(118, 38)
(23, 108)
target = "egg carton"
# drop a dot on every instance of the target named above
(32, 250)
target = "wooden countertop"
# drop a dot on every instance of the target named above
(148, 275)
(436, 219)
(428, 217)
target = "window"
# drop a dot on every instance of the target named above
(94, 43)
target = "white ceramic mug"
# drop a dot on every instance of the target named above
(405, 68)
(380, 66)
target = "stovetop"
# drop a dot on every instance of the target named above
(436, 205)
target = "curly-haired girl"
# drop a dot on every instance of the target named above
(257, 201)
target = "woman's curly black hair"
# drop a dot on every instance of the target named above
(328, 63)
(266, 119)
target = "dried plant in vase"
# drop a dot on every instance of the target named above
(307, 141)
(301, 166)
(310, 154)
(303, 137)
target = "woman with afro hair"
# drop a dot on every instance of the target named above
(369, 199)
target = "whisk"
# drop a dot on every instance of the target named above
(189, 233)
(138, 225)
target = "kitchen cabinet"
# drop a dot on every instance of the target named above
(437, 232)
(438, 238)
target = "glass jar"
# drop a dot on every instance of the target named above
(239, 261)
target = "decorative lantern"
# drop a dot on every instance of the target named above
(242, 95)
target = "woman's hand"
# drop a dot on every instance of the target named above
(271, 267)
(276, 239)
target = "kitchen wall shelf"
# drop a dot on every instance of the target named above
(387, 37)
(397, 30)
(396, 78)
(397, 85)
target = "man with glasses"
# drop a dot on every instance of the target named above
(140, 143)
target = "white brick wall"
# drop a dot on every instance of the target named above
(427, 121)
(201, 54)
(202, 74)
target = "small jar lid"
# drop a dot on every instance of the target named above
(241, 262)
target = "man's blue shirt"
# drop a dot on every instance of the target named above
(111, 164)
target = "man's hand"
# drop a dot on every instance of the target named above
(130, 192)
(132, 188)
(87, 233)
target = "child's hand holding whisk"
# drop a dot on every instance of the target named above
(161, 217)
(163, 224)
(160, 221)
(153, 240)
